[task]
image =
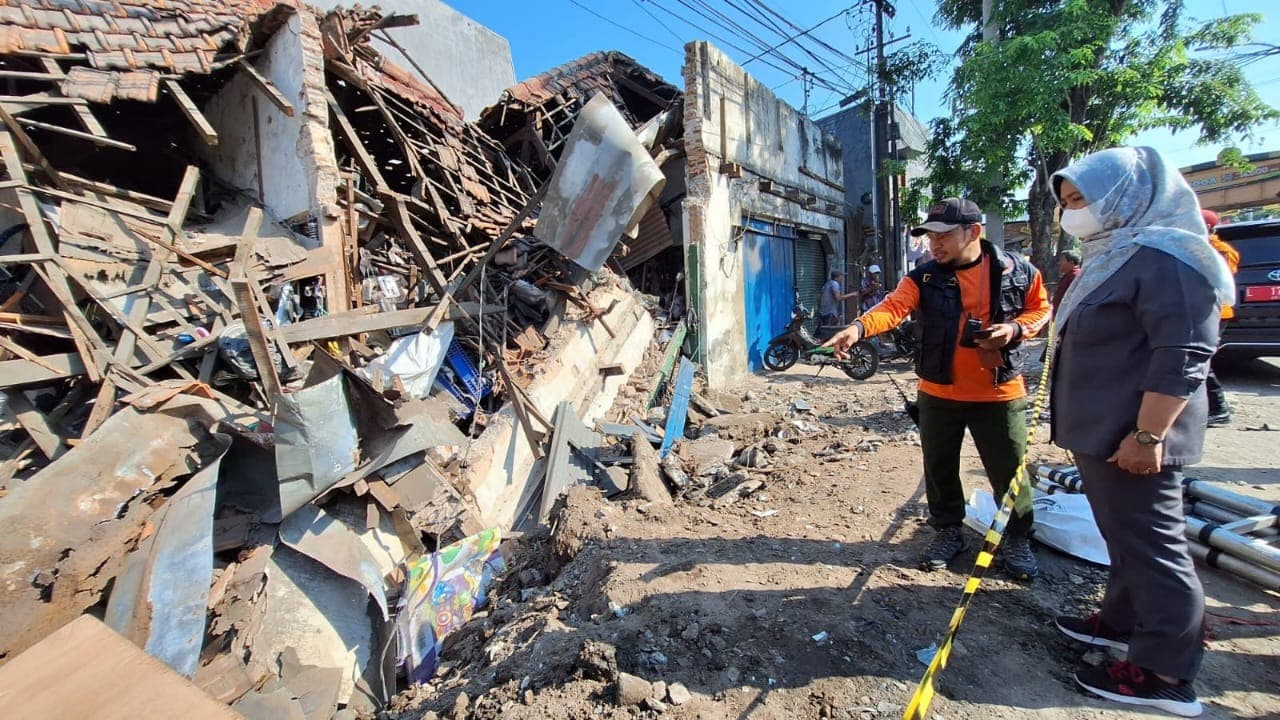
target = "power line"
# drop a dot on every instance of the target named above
(658, 20)
(769, 24)
(624, 27)
(800, 35)
(838, 53)
(796, 66)
(725, 23)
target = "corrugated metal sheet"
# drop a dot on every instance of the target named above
(811, 274)
(653, 236)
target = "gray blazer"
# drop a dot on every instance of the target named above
(1153, 326)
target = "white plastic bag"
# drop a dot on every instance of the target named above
(1063, 521)
(415, 359)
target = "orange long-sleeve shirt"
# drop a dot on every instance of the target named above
(970, 381)
(1232, 256)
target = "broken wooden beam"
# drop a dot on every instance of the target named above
(38, 426)
(356, 322)
(201, 124)
(242, 286)
(90, 137)
(21, 372)
(267, 87)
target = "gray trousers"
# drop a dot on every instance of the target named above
(1152, 591)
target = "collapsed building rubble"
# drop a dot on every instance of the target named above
(277, 329)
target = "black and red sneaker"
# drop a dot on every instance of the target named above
(1093, 631)
(1127, 683)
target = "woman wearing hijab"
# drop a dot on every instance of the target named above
(1136, 332)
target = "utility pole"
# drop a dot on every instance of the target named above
(883, 197)
(995, 216)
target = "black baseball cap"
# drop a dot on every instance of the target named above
(949, 214)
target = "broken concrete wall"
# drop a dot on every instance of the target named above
(289, 177)
(502, 464)
(749, 154)
(467, 61)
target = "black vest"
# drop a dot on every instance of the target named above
(940, 310)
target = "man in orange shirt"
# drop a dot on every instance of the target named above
(975, 305)
(1219, 408)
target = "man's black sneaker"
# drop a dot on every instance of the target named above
(946, 545)
(1219, 420)
(1019, 560)
(1127, 683)
(1093, 631)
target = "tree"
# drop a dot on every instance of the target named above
(1069, 77)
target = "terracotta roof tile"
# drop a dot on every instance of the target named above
(177, 35)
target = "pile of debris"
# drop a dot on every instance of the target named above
(272, 320)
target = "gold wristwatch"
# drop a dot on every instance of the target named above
(1146, 437)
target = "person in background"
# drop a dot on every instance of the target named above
(1219, 408)
(872, 291)
(1137, 330)
(975, 305)
(829, 305)
(1068, 271)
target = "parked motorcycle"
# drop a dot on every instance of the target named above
(903, 339)
(797, 344)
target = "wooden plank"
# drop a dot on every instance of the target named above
(368, 165)
(141, 308)
(22, 258)
(28, 146)
(358, 323)
(29, 319)
(18, 373)
(203, 128)
(86, 338)
(267, 87)
(404, 223)
(95, 139)
(501, 240)
(102, 188)
(242, 286)
(38, 427)
(86, 670)
(16, 349)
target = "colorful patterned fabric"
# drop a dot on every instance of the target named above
(443, 590)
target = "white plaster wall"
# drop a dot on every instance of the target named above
(770, 140)
(467, 61)
(501, 462)
(289, 173)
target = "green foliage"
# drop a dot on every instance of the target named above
(1070, 77)
(912, 64)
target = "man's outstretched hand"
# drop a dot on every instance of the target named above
(844, 340)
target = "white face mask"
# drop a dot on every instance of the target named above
(1082, 223)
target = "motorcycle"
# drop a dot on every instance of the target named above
(903, 339)
(796, 344)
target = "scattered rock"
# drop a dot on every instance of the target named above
(660, 690)
(632, 690)
(597, 661)
(646, 473)
(678, 694)
(461, 705)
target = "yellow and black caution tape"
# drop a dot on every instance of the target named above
(918, 708)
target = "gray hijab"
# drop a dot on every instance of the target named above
(1143, 202)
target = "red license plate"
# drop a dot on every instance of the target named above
(1262, 293)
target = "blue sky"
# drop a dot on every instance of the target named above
(550, 32)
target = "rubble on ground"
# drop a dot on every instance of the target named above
(269, 306)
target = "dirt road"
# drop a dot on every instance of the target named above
(802, 600)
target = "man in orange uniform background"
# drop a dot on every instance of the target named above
(1219, 408)
(976, 304)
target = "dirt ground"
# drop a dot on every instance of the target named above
(802, 600)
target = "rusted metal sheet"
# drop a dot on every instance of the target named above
(604, 182)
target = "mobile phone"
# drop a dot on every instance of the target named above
(983, 334)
